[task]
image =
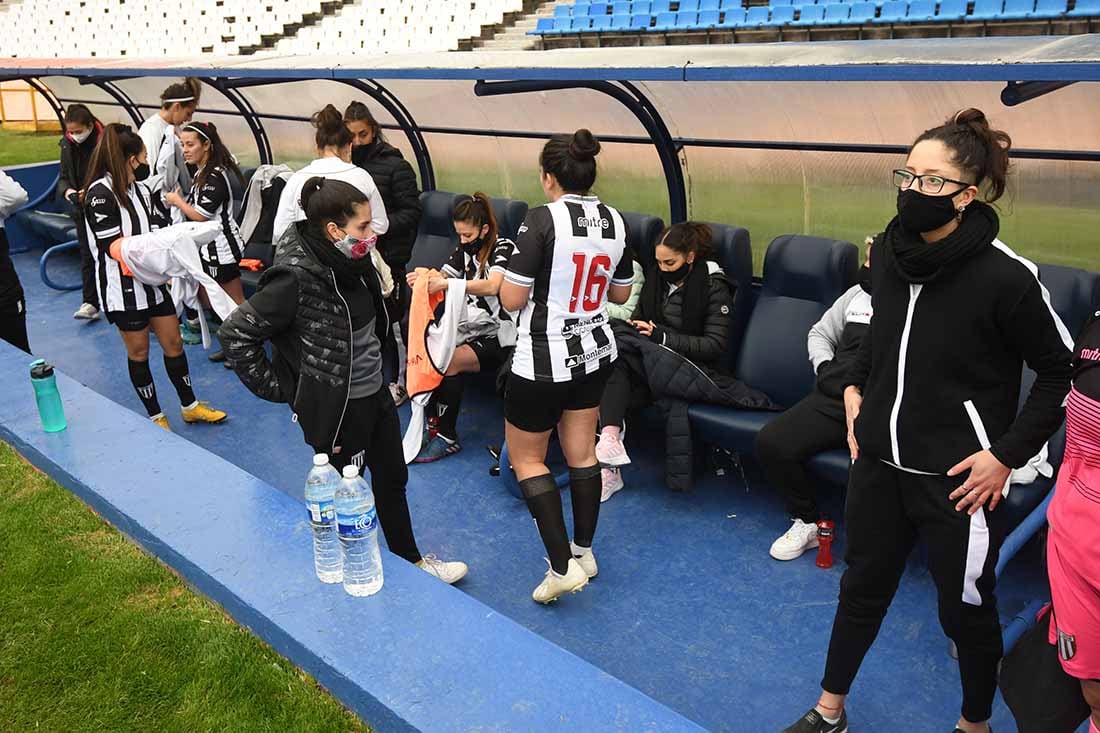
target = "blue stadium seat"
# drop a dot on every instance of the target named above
(641, 22)
(987, 10)
(757, 16)
(544, 25)
(951, 10)
(621, 8)
(599, 9)
(1017, 9)
(803, 3)
(641, 7)
(601, 23)
(863, 13)
(580, 8)
(893, 12)
(665, 22)
(708, 5)
(837, 14)
(642, 232)
(435, 237)
(810, 15)
(687, 20)
(778, 3)
(1049, 9)
(802, 278)
(921, 11)
(733, 251)
(782, 16)
(1085, 9)
(580, 24)
(733, 18)
(562, 11)
(620, 22)
(709, 19)
(561, 25)
(732, 5)
(688, 6)
(509, 214)
(660, 6)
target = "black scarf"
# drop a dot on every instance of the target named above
(696, 289)
(917, 261)
(327, 254)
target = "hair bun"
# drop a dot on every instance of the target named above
(971, 116)
(583, 145)
(328, 119)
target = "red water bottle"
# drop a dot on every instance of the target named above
(825, 543)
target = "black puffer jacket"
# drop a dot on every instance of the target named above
(701, 335)
(299, 308)
(675, 382)
(75, 158)
(396, 181)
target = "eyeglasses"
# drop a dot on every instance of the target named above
(929, 184)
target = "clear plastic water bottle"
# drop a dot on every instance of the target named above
(321, 485)
(357, 523)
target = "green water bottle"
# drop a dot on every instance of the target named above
(47, 396)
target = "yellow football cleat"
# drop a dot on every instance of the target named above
(201, 412)
(162, 421)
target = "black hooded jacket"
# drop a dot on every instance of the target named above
(396, 181)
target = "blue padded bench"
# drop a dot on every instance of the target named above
(53, 226)
(509, 214)
(733, 252)
(642, 233)
(435, 237)
(803, 276)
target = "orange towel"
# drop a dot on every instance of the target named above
(253, 265)
(421, 375)
(115, 250)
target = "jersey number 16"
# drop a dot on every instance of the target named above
(589, 281)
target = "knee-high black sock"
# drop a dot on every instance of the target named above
(181, 378)
(142, 379)
(584, 490)
(448, 400)
(545, 506)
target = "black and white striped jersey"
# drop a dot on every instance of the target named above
(215, 201)
(106, 219)
(464, 265)
(568, 252)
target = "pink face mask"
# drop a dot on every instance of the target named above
(356, 249)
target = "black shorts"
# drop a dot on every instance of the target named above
(139, 320)
(490, 354)
(222, 274)
(536, 407)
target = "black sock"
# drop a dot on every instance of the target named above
(181, 378)
(544, 503)
(142, 379)
(448, 400)
(584, 490)
(190, 313)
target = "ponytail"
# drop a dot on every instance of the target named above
(976, 148)
(218, 156)
(331, 131)
(186, 93)
(689, 236)
(116, 146)
(477, 210)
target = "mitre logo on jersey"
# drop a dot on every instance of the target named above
(1090, 354)
(592, 222)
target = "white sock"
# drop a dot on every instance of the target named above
(191, 406)
(578, 550)
(158, 416)
(827, 719)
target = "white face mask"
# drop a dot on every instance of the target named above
(82, 136)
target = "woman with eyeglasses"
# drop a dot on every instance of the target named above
(931, 403)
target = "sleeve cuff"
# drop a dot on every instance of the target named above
(626, 281)
(450, 271)
(204, 212)
(517, 279)
(105, 233)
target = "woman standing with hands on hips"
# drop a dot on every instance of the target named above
(932, 411)
(570, 259)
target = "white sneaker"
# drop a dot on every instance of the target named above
(449, 572)
(799, 538)
(400, 396)
(86, 312)
(610, 451)
(554, 585)
(611, 480)
(585, 558)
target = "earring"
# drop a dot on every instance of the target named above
(959, 216)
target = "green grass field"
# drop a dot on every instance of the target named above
(18, 147)
(95, 635)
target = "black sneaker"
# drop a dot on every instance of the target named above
(812, 722)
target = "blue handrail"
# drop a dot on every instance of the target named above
(42, 264)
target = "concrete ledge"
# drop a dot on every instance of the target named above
(420, 655)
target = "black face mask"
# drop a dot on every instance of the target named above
(919, 213)
(676, 275)
(141, 172)
(473, 246)
(865, 278)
